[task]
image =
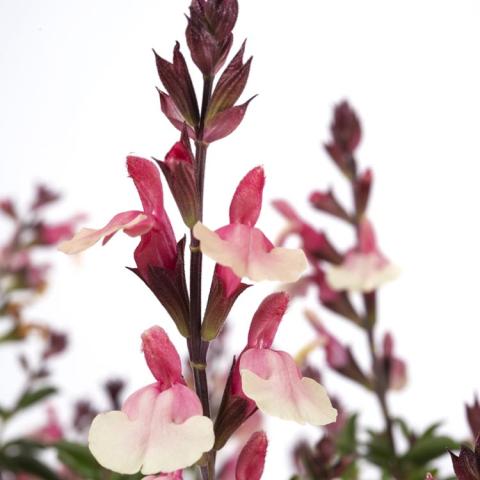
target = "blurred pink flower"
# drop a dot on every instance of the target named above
(52, 431)
(364, 268)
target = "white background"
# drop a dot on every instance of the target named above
(77, 94)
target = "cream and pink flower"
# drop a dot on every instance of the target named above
(157, 247)
(161, 428)
(242, 249)
(364, 268)
(271, 379)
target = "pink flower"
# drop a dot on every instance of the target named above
(271, 378)
(243, 249)
(364, 268)
(251, 460)
(52, 431)
(160, 427)
(51, 234)
(157, 246)
(178, 475)
(395, 368)
(315, 243)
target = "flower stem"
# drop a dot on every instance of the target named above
(370, 306)
(197, 347)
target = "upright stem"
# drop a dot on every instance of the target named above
(370, 305)
(197, 347)
(380, 382)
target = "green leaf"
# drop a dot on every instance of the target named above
(30, 398)
(379, 450)
(78, 458)
(427, 448)
(347, 439)
(23, 463)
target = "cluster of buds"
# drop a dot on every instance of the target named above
(166, 427)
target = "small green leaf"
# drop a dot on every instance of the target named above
(428, 448)
(22, 463)
(30, 398)
(79, 459)
(347, 439)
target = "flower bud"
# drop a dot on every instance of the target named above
(224, 291)
(209, 33)
(473, 417)
(345, 128)
(362, 187)
(180, 175)
(327, 202)
(251, 460)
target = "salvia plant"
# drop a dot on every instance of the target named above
(167, 426)
(174, 427)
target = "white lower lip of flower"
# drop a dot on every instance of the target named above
(150, 438)
(271, 379)
(361, 273)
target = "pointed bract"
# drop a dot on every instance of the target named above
(225, 122)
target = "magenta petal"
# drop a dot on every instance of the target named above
(266, 320)
(146, 177)
(367, 242)
(247, 199)
(161, 356)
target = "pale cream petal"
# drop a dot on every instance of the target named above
(280, 264)
(271, 378)
(224, 252)
(250, 254)
(362, 273)
(87, 237)
(178, 446)
(155, 432)
(111, 436)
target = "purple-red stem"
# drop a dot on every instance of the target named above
(197, 347)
